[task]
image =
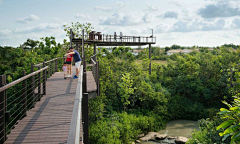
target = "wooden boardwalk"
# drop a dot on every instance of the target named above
(48, 122)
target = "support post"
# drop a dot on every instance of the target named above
(86, 120)
(83, 44)
(98, 80)
(39, 85)
(56, 66)
(33, 85)
(52, 70)
(95, 51)
(3, 130)
(150, 58)
(44, 80)
(24, 95)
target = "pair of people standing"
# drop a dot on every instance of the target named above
(115, 36)
(75, 54)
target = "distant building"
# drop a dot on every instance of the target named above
(184, 51)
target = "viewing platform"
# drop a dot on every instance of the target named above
(114, 40)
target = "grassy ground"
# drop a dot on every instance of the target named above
(138, 62)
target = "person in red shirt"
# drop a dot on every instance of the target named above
(69, 62)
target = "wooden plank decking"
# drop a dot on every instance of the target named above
(49, 120)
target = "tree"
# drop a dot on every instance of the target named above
(77, 29)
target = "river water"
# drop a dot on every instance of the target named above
(178, 128)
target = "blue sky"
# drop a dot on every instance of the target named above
(182, 22)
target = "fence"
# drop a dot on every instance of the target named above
(80, 109)
(21, 95)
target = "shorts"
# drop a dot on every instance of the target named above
(68, 62)
(77, 64)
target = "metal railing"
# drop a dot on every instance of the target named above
(95, 70)
(118, 38)
(75, 126)
(21, 95)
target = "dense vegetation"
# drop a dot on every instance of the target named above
(190, 86)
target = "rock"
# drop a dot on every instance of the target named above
(148, 136)
(160, 136)
(171, 137)
(138, 141)
(133, 142)
(181, 140)
(140, 135)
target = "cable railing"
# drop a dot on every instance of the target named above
(95, 71)
(19, 96)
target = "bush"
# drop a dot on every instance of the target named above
(207, 132)
(122, 128)
(184, 108)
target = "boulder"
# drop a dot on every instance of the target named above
(181, 140)
(160, 136)
(148, 136)
(140, 135)
(171, 137)
(138, 141)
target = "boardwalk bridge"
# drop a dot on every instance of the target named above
(49, 109)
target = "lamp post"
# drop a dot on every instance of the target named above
(152, 32)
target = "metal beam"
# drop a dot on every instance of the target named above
(150, 58)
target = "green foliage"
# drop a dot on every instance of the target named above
(121, 128)
(231, 124)
(126, 89)
(77, 29)
(184, 108)
(207, 132)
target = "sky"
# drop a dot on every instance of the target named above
(182, 22)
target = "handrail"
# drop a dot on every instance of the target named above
(74, 130)
(93, 61)
(48, 61)
(21, 79)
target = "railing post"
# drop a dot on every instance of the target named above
(3, 130)
(56, 67)
(24, 94)
(98, 80)
(86, 120)
(39, 85)
(33, 85)
(44, 80)
(50, 69)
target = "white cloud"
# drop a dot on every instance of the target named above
(147, 18)
(1, 1)
(152, 8)
(120, 5)
(176, 3)
(27, 19)
(5, 32)
(84, 16)
(122, 19)
(38, 28)
(169, 14)
(103, 8)
(219, 9)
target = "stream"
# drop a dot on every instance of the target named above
(177, 128)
